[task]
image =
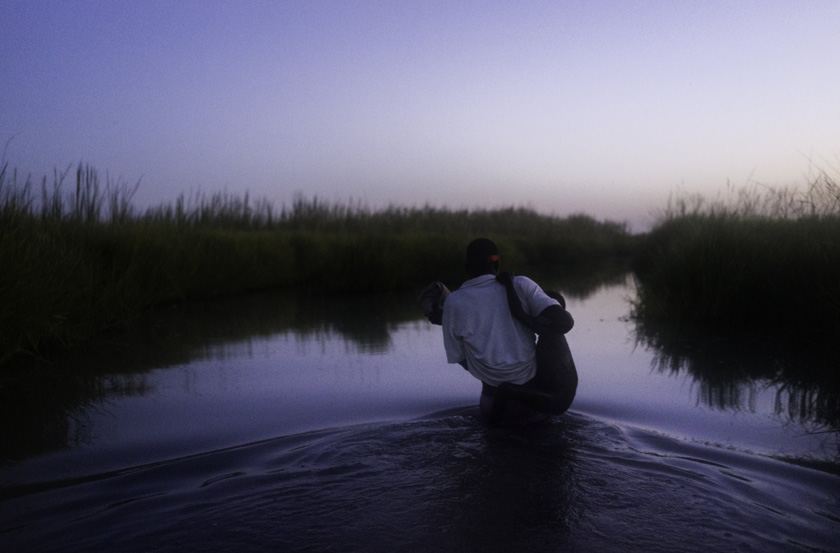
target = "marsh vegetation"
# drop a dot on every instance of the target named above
(747, 289)
(267, 386)
(79, 258)
(762, 262)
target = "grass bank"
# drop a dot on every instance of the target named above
(764, 263)
(78, 257)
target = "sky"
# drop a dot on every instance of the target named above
(599, 107)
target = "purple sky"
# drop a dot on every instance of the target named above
(598, 107)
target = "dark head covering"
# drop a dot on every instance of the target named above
(481, 253)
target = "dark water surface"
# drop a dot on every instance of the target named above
(292, 423)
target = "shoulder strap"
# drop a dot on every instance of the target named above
(538, 325)
(514, 304)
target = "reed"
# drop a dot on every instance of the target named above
(765, 263)
(78, 258)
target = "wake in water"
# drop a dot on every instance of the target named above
(443, 483)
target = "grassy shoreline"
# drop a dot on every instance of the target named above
(762, 265)
(765, 264)
(78, 262)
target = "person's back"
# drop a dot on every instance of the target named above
(478, 329)
(490, 326)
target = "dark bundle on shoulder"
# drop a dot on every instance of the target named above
(431, 300)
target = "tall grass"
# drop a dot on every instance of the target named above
(78, 257)
(763, 263)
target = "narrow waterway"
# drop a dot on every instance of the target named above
(315, 424)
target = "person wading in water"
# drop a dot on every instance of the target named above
(489, 326)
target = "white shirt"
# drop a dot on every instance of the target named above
(478, 328)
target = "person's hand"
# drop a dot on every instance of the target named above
(556, 296)
(431, 300)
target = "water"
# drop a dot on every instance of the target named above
(290, 423)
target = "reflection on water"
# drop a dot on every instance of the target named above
(294, 422)
(581, 282)
(49, 408)
(318, 361)
(731, 373)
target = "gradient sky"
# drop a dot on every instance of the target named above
(601, 107)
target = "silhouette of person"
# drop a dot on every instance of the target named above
(489, 327)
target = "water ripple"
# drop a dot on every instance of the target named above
(446, 484)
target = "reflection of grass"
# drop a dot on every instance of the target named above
(76, 262)
(581, 282)
(768, 263)
(806, 376)
(43, 411)
(745, 289)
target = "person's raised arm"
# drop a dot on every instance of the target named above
(552, 319)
